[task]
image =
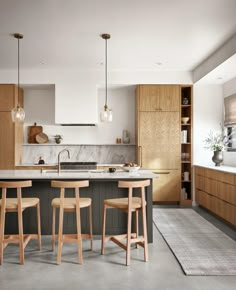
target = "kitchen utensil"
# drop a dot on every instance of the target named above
(33, 131)
(41, 138)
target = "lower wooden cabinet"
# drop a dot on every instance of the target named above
(167, 186)
(216, 191)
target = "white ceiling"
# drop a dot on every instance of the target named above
(61, 34)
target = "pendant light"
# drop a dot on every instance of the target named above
(106, 114)
(18, 113)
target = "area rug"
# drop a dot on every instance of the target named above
(199, 246)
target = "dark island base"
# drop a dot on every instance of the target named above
(98, 190)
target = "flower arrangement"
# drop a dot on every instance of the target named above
(217, 141)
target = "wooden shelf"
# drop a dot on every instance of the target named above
(186, 148)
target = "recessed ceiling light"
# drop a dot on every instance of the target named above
(159, 63)
(100, 63)
(219, 78)
(42, 63)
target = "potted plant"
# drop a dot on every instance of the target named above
(58, 138)
(217, 142)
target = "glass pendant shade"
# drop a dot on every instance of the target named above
(18, 114)
(106, 115)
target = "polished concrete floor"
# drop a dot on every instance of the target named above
(103, 272)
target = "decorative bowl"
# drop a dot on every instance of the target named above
(131, 168)
(185, 120)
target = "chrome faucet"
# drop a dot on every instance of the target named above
(59, 157)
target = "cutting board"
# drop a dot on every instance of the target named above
(33, 131)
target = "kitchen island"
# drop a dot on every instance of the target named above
(102, 185)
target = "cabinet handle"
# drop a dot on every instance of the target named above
(164, 172)
(140, 156)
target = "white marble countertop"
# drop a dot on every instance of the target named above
(73, 174)
(223, 168)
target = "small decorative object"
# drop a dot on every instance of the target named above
(112, 169)
(184, 136)
(185, 101)
(126, 138)
(185, 120)
(118, 140)
(58, 138)
(41, 161)
(217, 158)
(217, 142)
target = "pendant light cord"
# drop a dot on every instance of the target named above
(18, 41)
(106, 71)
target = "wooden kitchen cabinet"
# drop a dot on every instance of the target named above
(158, 138)
(11, 134)
(216, 191)
(167, 187)
(161, 98)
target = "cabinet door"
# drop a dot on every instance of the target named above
(8, 97)
(159, 140)
(148, 100)
(167, 186)
(6, 141)
(169, 98)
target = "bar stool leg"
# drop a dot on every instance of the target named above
(2, 229)
(103, 228)
(60, 237)
(137, 225)
(79, 238)
(91, 227)
(39, 226)
(145, 234)
(128, 238)
(53, 226)
(21, 236)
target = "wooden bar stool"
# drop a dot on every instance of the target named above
(70, 205)
(18, 205)
(129, 205)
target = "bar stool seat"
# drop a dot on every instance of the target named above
(12, 203)
(18, 205)
(129, 205)
(122, 203)
(68, 204)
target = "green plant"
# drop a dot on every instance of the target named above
(217, 141)
(58, 137)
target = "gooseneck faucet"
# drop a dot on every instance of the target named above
(59, 157)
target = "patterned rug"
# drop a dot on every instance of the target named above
(199, 246)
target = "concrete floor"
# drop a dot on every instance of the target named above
(102, 272)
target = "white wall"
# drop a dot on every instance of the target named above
(207, 116)
(40, 106)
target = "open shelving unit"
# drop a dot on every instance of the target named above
(186, 145)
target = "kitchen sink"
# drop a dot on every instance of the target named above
(78, 166)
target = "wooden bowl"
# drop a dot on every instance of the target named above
(185, 120)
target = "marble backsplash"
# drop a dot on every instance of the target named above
(102, 154)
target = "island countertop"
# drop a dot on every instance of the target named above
(102, 185)
(75, 174)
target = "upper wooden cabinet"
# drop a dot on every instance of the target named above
(162, 98)
(11, 134)
(9, 97)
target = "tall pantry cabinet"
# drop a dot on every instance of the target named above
(160, 145)
(11, 134)
(158, 138)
